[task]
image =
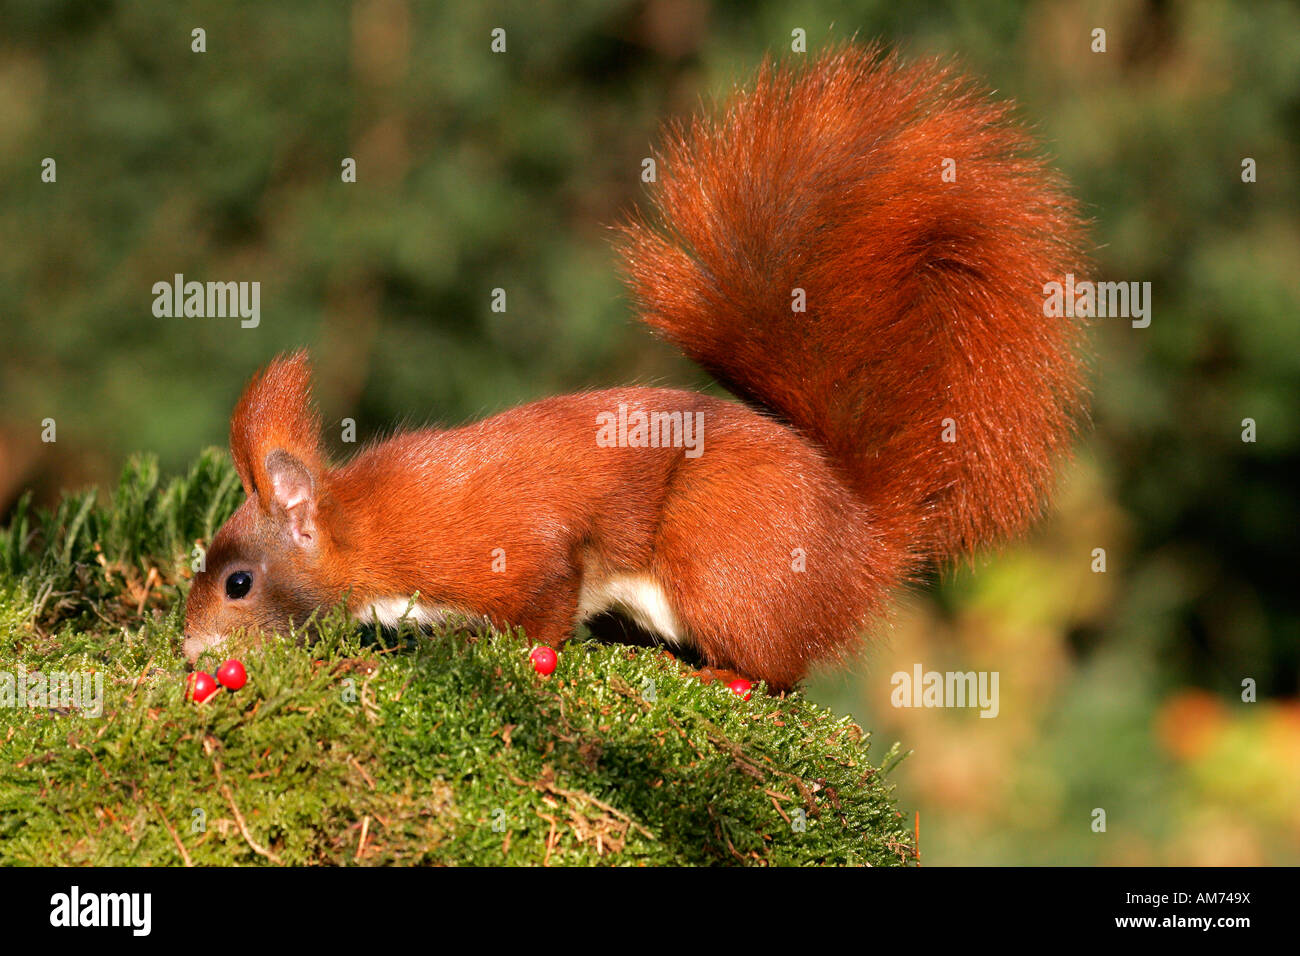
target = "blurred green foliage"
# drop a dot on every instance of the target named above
(478, 171)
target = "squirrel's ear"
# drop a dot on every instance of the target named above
(290, 497)
(275, 423)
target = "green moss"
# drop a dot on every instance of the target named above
(425, 749)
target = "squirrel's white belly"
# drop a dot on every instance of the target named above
(637, 595)
(389, 611)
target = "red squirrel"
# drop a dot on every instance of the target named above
(856, 248)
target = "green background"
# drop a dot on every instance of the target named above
(1120, 691)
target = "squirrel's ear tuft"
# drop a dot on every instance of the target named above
(275, 414)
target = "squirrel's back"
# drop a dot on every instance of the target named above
(859, 246)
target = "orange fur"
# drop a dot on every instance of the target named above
(924, 297)
(773, 548)
(275, 411)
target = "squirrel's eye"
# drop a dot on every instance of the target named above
(237, 584)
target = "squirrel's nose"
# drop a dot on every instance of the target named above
(192, 646)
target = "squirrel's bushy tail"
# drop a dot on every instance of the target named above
(916, 224)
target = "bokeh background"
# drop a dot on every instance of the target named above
(1119, 690)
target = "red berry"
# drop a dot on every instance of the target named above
(544, 660)
(232, 675)
(741, 688)
(200, 686)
